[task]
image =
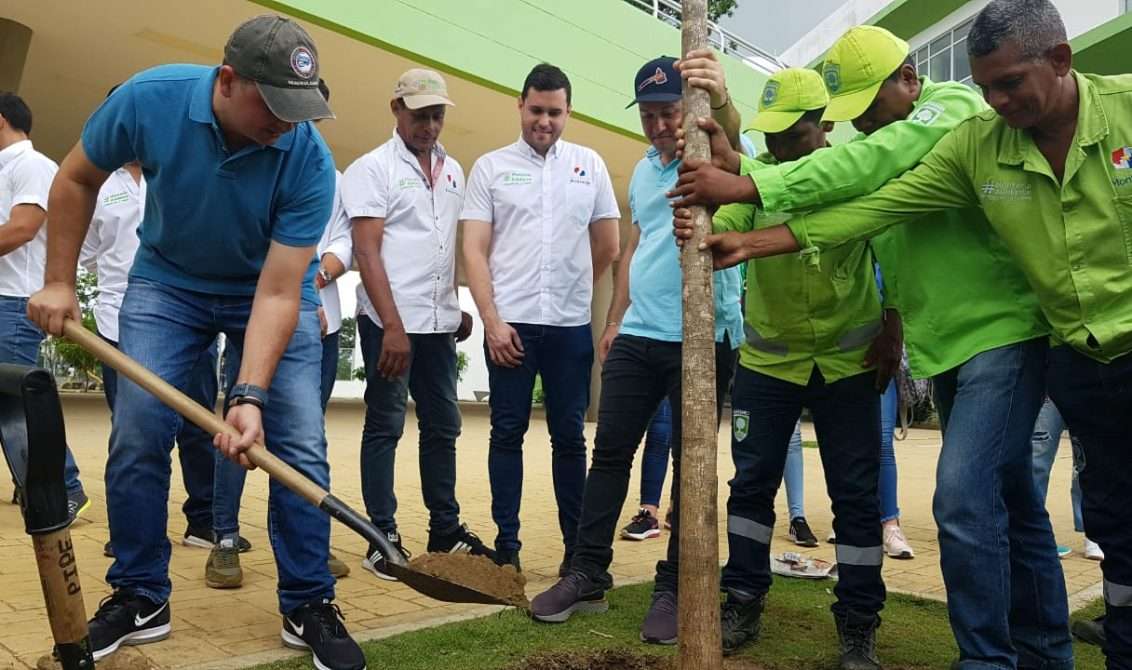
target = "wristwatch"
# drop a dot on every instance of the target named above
(325, 274)
(247, 394)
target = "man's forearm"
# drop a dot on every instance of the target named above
(15, 234)
(72, 206)
(270, 327)
(772, 241)
(728, 118)
(376, 283)
(479, 282)
(333, 265)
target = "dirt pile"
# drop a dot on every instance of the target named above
(125, 658)
(476, 572)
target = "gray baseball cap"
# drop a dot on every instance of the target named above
(280, 57)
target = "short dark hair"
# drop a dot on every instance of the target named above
(15, 111)
(895, 76)
(1035, 25)
(324, 89)
(546, 77)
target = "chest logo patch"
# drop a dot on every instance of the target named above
(1122, 158)
(580, 176)
(516, 178)
(998, 191)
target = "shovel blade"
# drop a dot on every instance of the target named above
(440, 589)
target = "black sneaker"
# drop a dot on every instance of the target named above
(1090, 631)
(375, 561)
(800, 533)
(741, 621)
(459, 541)
(858, 636)
(643, 526)
(77, 503)
(659, 626)
(319, 627)
(108, 550)
(509, 557)
(198, 536)
(126, 618)
(573, 593)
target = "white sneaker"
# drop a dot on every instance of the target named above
(1093, 551)
(895, 544)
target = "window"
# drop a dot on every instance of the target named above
(1125, 5)
(945, 58)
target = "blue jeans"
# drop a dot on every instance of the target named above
(194, 446)
(886, 486)
(654, 458)
(764, 413)
(19, 344)
(794, 475)
(1005, 590)
(563, 356)
(1047, 436)
(432, 381)
(329, 366)
(1095, 399)
(166, 330)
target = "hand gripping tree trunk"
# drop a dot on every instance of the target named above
(699, 634)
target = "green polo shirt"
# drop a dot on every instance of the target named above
(1072, 240)
(800, 313)
(954, 283)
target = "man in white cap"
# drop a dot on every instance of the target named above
(403, 199)
(240, 187)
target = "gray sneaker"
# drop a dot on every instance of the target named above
(222, 571)
(573, 593)
(659, 626)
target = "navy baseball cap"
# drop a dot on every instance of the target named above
(657, 81)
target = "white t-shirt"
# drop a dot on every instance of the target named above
(335, 240)
(418, 246)
(25, 179)
(111, 243)
(540, 210)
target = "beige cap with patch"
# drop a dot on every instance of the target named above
(422, 88)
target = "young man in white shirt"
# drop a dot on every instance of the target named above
(25, 179)
(403, 199)
(540, 227)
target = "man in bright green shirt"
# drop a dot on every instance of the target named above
(971, 322)
(808, 329)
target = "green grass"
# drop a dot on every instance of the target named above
(1089, 656)
(809, 444)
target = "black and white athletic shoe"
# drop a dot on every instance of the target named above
(319, 627)
(127, 618)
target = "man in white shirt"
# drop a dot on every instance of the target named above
(403, 199)
(25, 179)
(335, 254)
(540, 227)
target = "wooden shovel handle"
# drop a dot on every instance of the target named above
(186, 407)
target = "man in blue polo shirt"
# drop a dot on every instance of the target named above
(641, 352)
(240, 187)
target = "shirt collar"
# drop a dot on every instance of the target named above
(10, 152)
(653, 156)
(529, 151)
(200, 110)
(1092, 125)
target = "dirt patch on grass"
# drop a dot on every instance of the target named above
(123, 659)
(476, 572)
(613, 659)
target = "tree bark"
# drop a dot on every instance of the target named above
(699, 633)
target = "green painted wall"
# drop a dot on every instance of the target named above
(1104, 49)
(600, 44)
(906, 18)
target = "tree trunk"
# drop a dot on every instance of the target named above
(699, 634)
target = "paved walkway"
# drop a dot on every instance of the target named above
(236, 628)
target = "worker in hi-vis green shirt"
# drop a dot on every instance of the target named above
(808, 332)
(971, 321)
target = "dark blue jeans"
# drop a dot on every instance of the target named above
(19, 344)
(167, 329)
(194, 446)
(638, 374)
(764, 411)
(329, 366)
(1005, 589)
(432, 381)
(654, 459)
(1096, 401)
(563, 356)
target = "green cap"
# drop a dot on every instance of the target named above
(788, 95)
(856, 66)
(280, 57)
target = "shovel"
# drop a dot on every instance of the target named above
(429, 585)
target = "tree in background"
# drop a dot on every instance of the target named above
(67, 358)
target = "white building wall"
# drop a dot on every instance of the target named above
(1080, 16)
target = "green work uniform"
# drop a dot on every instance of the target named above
(954, 283)
(1073, 240)
(801, 314)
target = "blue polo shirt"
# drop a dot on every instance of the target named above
(655, 281)
(210, 214)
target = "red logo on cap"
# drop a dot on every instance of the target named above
(658, 78)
